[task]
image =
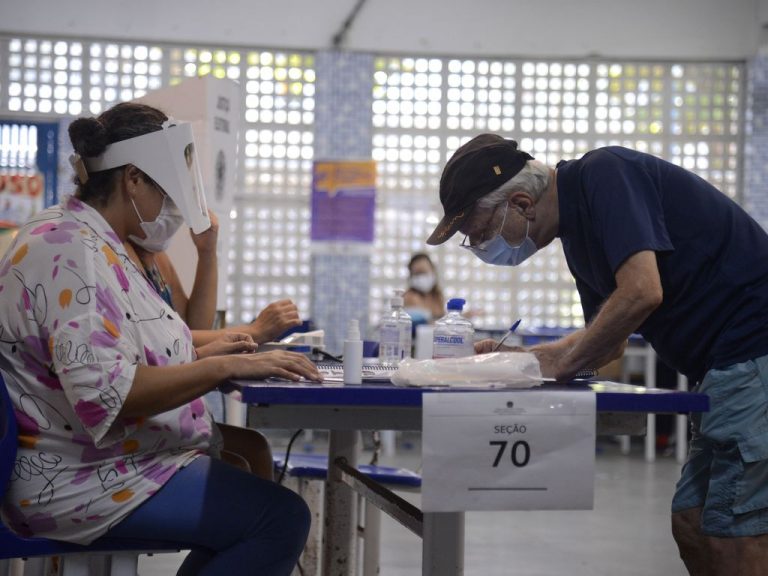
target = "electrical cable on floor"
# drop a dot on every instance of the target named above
(376, 448)
(288, 454)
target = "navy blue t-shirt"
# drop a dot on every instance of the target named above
(712, 256)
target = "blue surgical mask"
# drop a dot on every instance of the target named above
(498, 251)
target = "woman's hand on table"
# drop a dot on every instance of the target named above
(275, 364)
(228, 343)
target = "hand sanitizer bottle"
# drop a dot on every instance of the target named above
(454, 334)
(353, 355)
(395, 335)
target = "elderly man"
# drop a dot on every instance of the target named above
(657, 250)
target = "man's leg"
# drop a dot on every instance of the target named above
(709, 556)
(692, 544)
(744, 556)
(720, 508)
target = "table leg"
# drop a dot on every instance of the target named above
(339, 509)
(371, 540)
(625, 441)
(681, 427)
(650, 382)
(233, 410)
(443, 544)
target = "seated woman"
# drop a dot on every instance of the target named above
(424, 296)
(113, 436)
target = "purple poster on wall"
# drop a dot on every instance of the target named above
(343, 200)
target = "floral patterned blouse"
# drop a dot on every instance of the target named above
(76, 318)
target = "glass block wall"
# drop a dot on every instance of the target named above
(756, 139)
(269, 258)
(422, 109)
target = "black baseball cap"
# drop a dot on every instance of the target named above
(477, 168)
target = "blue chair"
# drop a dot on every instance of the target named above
(303, 468)
(118, 557)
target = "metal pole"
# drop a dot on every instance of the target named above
(650, 382)
(681, 426)
(371, 540)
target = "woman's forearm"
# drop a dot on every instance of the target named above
(201, 306)
(157, 389)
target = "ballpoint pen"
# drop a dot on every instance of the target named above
(507, 335)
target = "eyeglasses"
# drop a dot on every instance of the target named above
(483, 244)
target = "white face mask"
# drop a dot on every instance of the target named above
(423, 282)
(160, 231)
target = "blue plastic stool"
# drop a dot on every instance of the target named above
(303, 468)
(315, 467)
(119, 556)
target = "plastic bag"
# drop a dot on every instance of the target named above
(496, 369)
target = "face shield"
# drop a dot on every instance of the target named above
(169, 157)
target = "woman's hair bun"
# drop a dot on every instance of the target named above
(88, 137)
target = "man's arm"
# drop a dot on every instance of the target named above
(638, 293)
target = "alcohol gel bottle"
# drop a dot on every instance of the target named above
(395, 336)
(353, 355)
(454, 334)
(405, 323)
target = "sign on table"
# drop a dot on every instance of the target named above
(521, 450)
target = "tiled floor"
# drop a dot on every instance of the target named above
(627, 534)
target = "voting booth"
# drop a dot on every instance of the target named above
(212, 106)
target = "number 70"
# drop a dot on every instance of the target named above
(520, 452)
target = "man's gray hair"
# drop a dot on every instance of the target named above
(533, 179)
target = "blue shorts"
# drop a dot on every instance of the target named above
(726, 474)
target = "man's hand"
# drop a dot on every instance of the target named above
(550, 358)
(274, 320)
(228, 343)
(488, 345)
(205, 242)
